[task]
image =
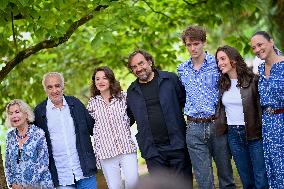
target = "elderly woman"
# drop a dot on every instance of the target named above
(26, 149)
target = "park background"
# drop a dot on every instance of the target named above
(75, 36)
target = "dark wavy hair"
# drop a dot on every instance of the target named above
(244, 73)
(146, 55)
(114, 85)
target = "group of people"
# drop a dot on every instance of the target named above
(215, 108)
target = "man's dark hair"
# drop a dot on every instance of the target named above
(146, 55)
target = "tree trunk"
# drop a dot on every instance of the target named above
(3, 184)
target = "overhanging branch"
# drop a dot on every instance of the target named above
(158, 12)
(194, 4)
(46, 44)
(14, 33)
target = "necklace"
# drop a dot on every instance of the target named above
(22, 136)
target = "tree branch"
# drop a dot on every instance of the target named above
(158, 12)
(194, 4)
(46, 44)
(14, 33)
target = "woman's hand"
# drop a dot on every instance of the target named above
(17, 186)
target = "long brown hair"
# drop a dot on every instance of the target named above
(244, 74)
(114, 85)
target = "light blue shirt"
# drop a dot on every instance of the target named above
(63, 139)
(201, 87)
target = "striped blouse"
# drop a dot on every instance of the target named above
(112, 134)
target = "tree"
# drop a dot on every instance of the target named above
(3, 183)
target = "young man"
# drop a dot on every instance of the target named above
(67, 126)
(155, 101)
(199, 75)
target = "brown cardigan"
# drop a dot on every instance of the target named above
(252, 111)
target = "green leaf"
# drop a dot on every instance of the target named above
(3, 4)
(108, 37)
(24, 2)
(97, 41)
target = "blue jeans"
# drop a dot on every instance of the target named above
(203, 144)
(87, 183)
(248, 156)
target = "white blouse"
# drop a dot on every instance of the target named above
(112, 134)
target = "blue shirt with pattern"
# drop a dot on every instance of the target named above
(31, 169)
(201, 87)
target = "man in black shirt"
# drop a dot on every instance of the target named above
(155, 101)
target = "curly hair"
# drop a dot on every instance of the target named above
(24, 108)
(244, 74)
(146, 55)
(114, 85)
(194, 33)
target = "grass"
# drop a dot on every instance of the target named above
(236, 177)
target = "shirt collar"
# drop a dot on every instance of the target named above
(206, 58)
(51, 106)
(99, 97)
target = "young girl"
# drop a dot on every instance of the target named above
(239, 112)
(114, 147)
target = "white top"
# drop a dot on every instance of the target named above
(233, 105)
(112, 134)
(62, 134)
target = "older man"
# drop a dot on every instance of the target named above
(68, 126)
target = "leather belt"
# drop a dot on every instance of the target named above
(201, 120)
(270, 110)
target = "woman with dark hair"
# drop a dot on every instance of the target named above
(114, 147)
(271, 91)
(239, 113)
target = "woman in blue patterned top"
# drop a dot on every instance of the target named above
(271, 90)
(26, 162)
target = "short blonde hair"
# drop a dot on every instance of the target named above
(24, 107)
(52, 74)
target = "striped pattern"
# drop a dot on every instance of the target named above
(112, 134)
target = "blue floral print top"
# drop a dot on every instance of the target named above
(272, 90)
(201, 87)
(30, 167)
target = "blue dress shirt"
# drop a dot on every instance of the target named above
(201, 87)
